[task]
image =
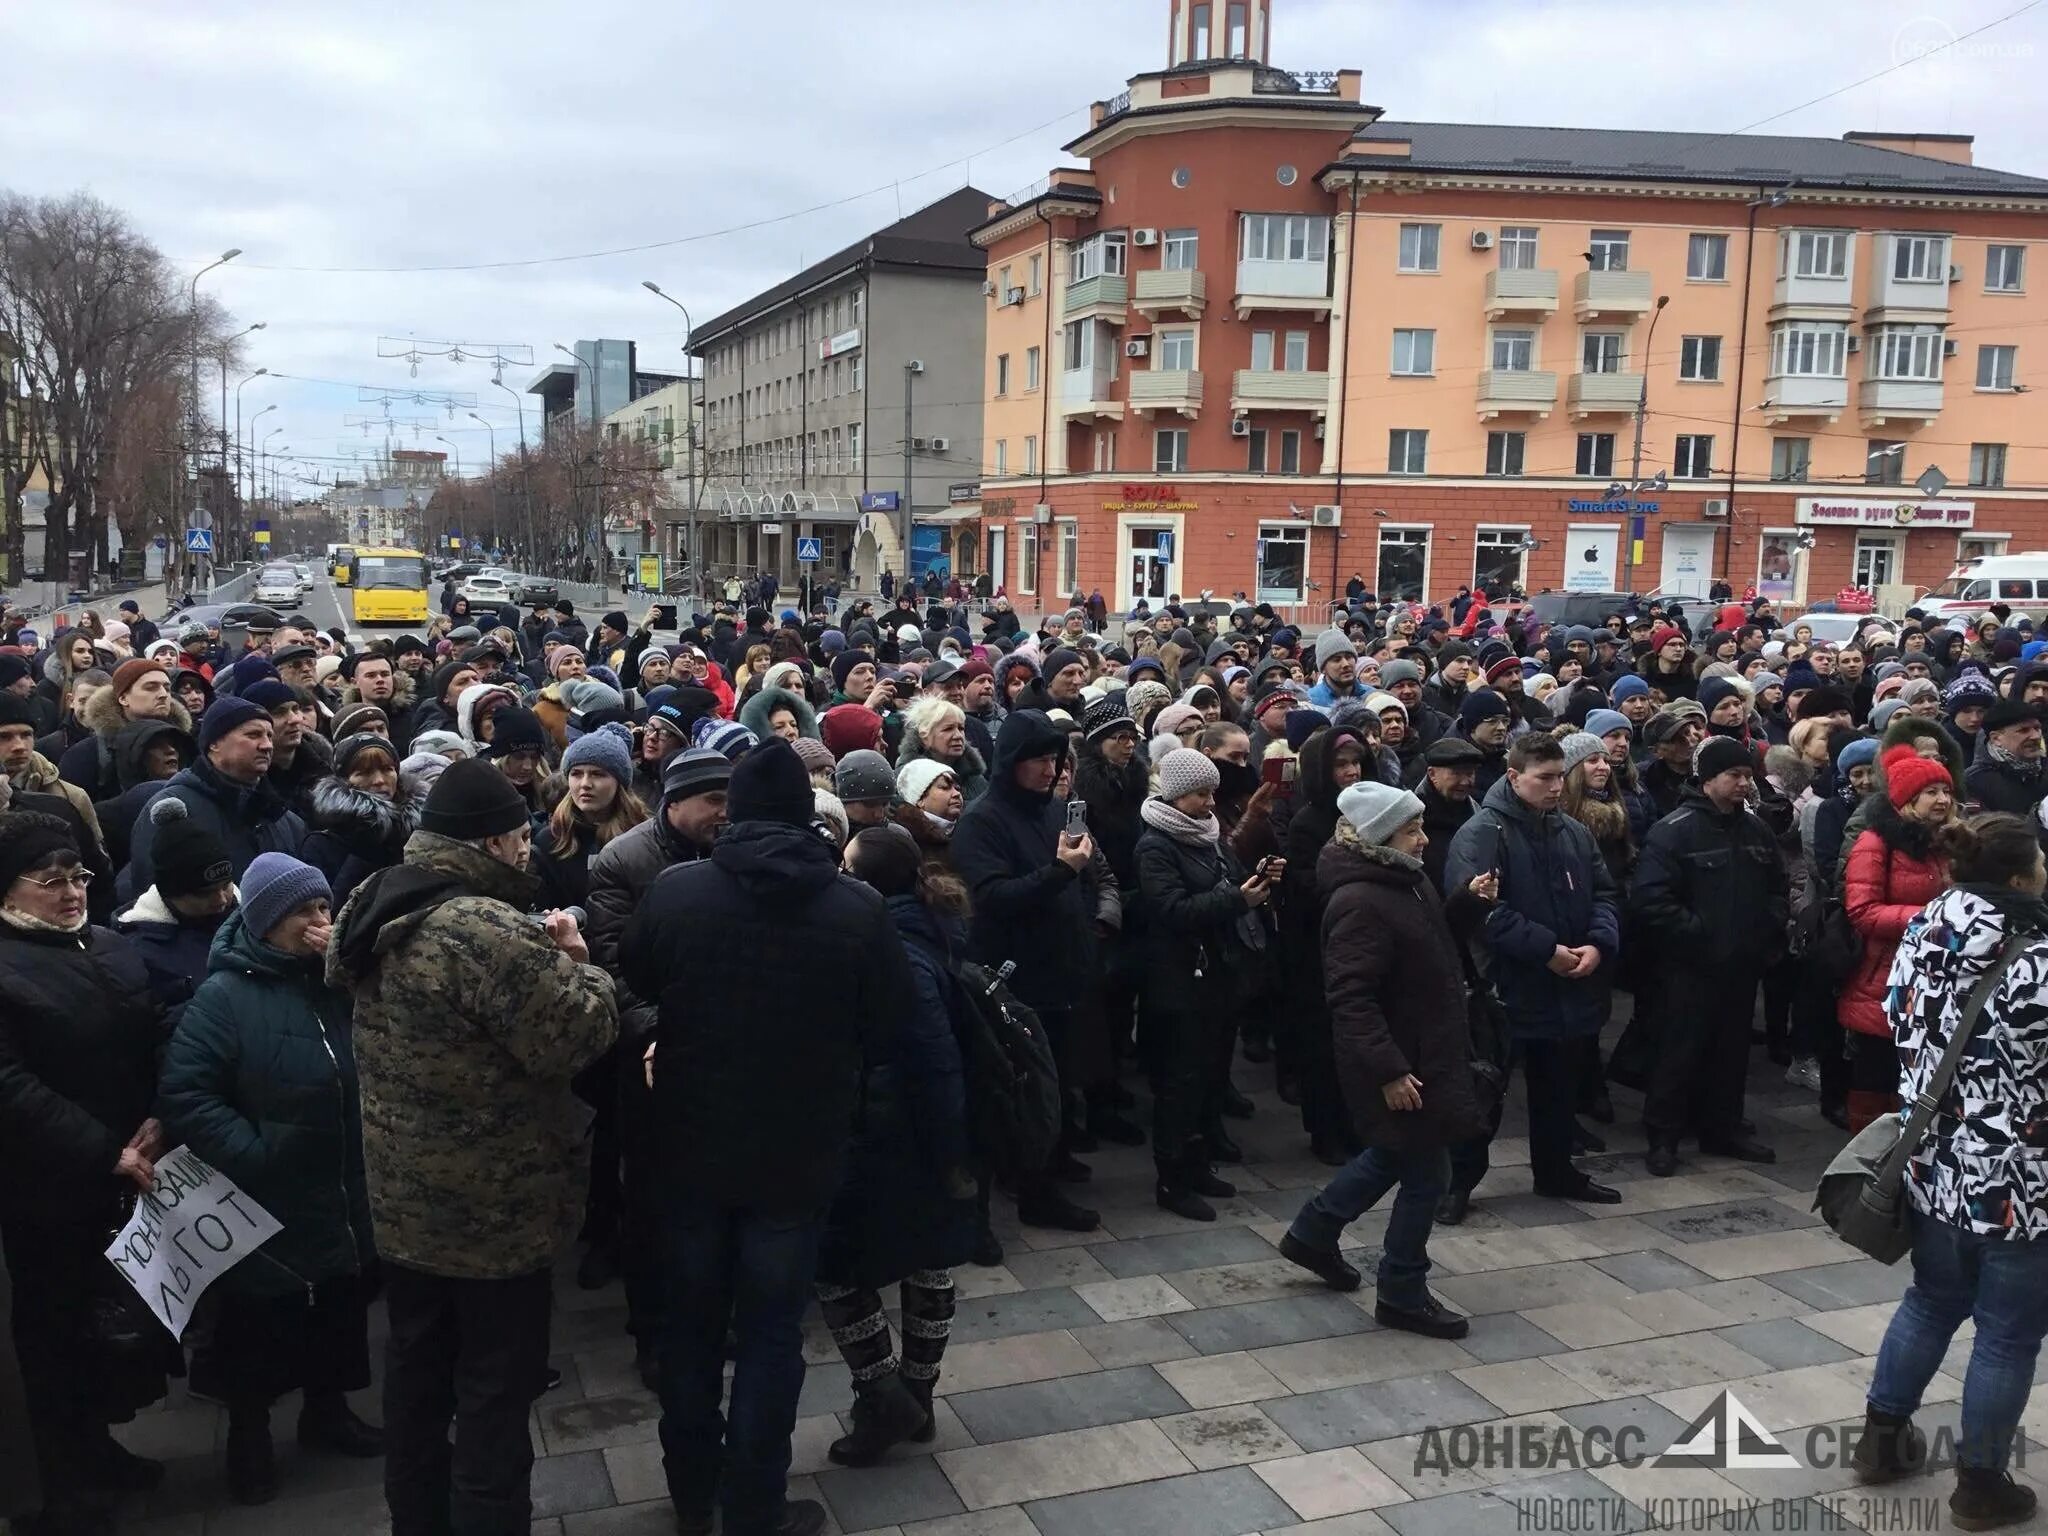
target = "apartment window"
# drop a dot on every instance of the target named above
(1199, 32)
(1504, 452)
(1421, 247)
(1174, 350)
(811, 459)
(1885, 462)
(1415, 352)
(1987, 464)
(1170, 451)
(1284, 237)
(1995, 367)
(1283, 563)
(1699, 357)
(859, 373)
(1239, 38)
(1810, 349)
(1693, 458)
(1255, 451)
(1596, 454)
(1002, 373)
(1517, 246)
(1002, 456)
(1105, 451)
(1030, 455)
(1791, 458)
(853, 302)
(1706, 258)
(1070, 557)
(1919, 259)
(1294, 359)
(1403, 564)
(1099, 255)
(853, 446)
(1032, 360)
(1080, 345)
(1180, 251)
(1262, 351)
(1609, 250)
(1027, 558)
(1003, 285)
(1290, 453)
(1035, 276)
(1600, 352)
(1820, 253)
(1497, 556)
(1514, 351)
(1911, 352)
(2005, 268)
(1407, 451)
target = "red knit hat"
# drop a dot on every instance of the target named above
(1663, 635)
(1906, 773)
(850, 728)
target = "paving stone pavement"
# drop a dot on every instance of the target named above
(1166, 1376)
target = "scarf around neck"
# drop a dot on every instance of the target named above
(1180, 826)
(2024, 767)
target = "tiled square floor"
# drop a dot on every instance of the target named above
(1173, 1377)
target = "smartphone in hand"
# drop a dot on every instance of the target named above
(1077, 819)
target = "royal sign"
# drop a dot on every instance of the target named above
(1150, 498)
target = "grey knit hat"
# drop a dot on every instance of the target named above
(1184, 771)
(1393, 672)
(1334, 642)
(1377, 811)
(865, 777)
(276, 884)
(1582, 747)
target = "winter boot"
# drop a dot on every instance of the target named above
(884, 1412)
(922, 1391)
(251, 1468)
(1173, 1194)
(1889, 1448)
(1985, 1499)
(327, 1423)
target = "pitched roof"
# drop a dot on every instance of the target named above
(1748, 159)
(934, 236)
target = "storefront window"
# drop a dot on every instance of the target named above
(1496, 559)
(1283, 563)
(1404, 563)
(1777, 564)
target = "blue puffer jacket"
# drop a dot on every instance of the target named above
(260, 1080)
(1554, 889)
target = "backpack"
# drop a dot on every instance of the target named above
(1013, 1083)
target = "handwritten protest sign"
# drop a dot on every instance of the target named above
(190, 1230)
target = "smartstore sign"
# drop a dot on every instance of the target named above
(1900, 512)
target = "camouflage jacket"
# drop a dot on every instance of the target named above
(469, 1024)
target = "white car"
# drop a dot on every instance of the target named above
(277, 584)
(1840, 628)
(486, 588)
(305, 575)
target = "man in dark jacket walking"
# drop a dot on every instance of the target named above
(1710, 891)
(2010, 773)
(754, 1111)
(1023, 877)
(1551, 939)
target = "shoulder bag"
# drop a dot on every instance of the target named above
(1861, 1196)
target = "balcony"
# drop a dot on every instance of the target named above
(1611, 295)
(1288, 285)
(1085, 395)
(1914, 300)
(1599, 394)
(1790, 396)
(1883, 400)
(1509, 391)
(1106, 296)
(1263, 389)
(1162, 291)
(1521, 292)
(1167, 389)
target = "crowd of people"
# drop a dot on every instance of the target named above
(428, 945)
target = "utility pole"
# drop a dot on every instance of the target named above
(494, 470)
(525, 471)
(1635, 473)
(190, 475)
(903, 514)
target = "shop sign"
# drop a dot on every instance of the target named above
(845, 341)
(1856, 512)
(880, 501)
(1620, 508)
(1150, 498)
(963, 490)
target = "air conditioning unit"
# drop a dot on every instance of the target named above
(915, 365)
(1715, 506)
(941, 444)
(1951, 348)
(1482, 239)
(1042, 513)
(1239, 427)
(1144, 237)
(1137, 346)
(1955, 274)
(1855, 343)
(988, 289)
(1014, 296)
(1320, 426)
(920, 443)
(1327, 516)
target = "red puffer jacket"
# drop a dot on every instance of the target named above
(1883, 889)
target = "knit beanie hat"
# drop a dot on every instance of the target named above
(608, 747)
(1055, 660)
(693, 771)
(1907, 773)
(914, 778)
(1147, 694)
(843, 665)
(1917, 689)
(864, 777)
(1582, 747)
(1379, 703)
(349, 748)
(847, 728)
(1855, 754)
(1481, 704)
(514, 729)
(29, 837)
(1604, 722)
(1628, 687)
(1377, 811)
(356, 718)
(1399, 672)
(437, 744)
(1881, 714)
(1302, 724)
(1663, 635)
(1717, 755)
(1966, 690)
(1331, 643)
(770, 784)
(591, 704)
(561, 654)
(274, 886)
(729, 740)
(270, 693)
(189, 856)
(473, 800)
(1170, 719)
(816, 755)
(131, 672)
(1107, 714)
(1714, 690)
(224, 715)
(1184, 771)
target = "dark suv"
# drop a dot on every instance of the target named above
(1591, 609)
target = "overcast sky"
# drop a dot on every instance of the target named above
(366, 133)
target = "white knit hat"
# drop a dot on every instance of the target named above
(917, 776)
(1377, 811)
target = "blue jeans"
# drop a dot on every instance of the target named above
(1404, 1256)
(2003, 1284)
(752, 1271)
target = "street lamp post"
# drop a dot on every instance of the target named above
(494, 469)
(244, 450)
(690, 560)
(224, 346)
(595, 434)
(192, 459)
(1635, 474)
(259, 373)
(525, 471)
(454, 450)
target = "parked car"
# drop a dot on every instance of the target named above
(305, 576)
(1592, 609)
(535, 589)
(278, 584)
(486, 588)
(1840, 628)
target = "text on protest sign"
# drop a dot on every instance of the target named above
(185, 1234)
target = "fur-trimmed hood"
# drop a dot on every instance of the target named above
(755, 712)
(362, 820)
(103, 716)
(403, 690)
(133, 742)
(466, 704)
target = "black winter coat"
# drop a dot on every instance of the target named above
(176, 949)
(564, 880)
(616, 879)
(247, 819)
(755, 1107)
(896, 1210)
(356, 833)
(1113, 796)
(1395, 979)
(1998, 787)
(1195, 959)
(1710, 890)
